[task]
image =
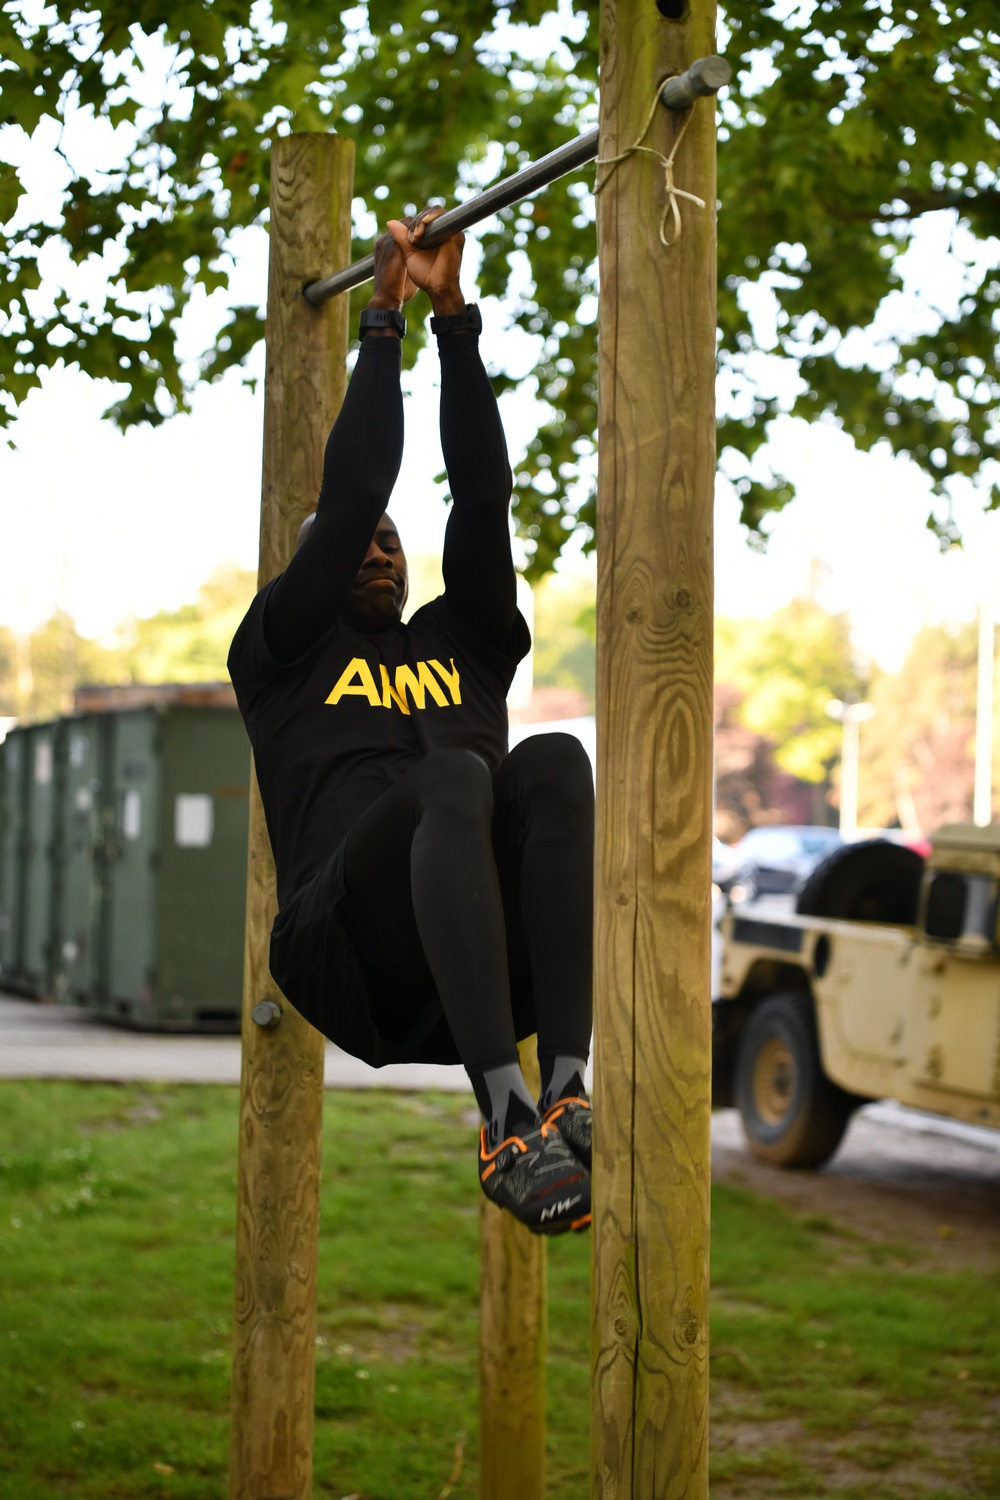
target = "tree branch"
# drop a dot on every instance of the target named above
(916, 204)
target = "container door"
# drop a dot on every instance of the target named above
(14, 760)
(129, 907)
(206, 768)
(39, 862)
(79, 898)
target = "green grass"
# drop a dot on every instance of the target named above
(838, 1367)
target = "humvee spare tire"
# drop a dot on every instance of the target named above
(873, 881)
(792, 1113)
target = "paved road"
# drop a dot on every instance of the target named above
(60, 1041)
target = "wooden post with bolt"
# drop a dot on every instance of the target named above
(649, 1348)
(513, 1313)
(281, 1097)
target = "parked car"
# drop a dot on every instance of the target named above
(724, 863)
(776, 860)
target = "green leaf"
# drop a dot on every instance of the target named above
(10, 192)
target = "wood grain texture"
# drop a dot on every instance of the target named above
(281, 1098)
(649, 1348)
(512, 1341)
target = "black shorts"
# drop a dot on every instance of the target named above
(321, 965)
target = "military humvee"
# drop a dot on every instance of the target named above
(883, 983)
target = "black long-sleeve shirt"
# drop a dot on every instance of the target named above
(335, 714)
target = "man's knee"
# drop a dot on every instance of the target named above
(556, 767)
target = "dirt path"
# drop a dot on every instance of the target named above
(939, 1196)
(888, 1183)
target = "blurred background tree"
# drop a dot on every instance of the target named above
(565, 635)
(39, 671)
(918, 749)
(787, 667)
(189, 644)
(784, 669)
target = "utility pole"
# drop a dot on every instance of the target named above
(851, 716)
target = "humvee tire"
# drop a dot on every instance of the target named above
(792, 1114)
(873, 881)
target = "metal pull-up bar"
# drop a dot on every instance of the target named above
(704, 77)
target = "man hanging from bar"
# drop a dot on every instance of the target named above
(435, 893)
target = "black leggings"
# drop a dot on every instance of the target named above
(482, 885)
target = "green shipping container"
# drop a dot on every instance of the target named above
(133, 866)
(170, 948)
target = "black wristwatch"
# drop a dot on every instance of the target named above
(381, 317)
(470, 318)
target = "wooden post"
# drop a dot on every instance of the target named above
(281, 1096)
(654, 710)
(512, 1340)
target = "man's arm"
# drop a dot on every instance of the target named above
(363, 455)
(479, 576)
(478, 568)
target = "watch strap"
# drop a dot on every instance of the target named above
(469, 318)
(381, 317)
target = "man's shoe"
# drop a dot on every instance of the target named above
(575, 1123)
(538, 1179)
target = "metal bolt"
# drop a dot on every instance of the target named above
(266, 1013)
(706, 76)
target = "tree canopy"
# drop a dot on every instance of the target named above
(850, 123)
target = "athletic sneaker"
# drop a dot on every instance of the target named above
(538, 1178)
(575, 1123)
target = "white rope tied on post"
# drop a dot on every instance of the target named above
(671, 208)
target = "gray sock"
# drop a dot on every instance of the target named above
(504, 1102)
(562, 1078)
